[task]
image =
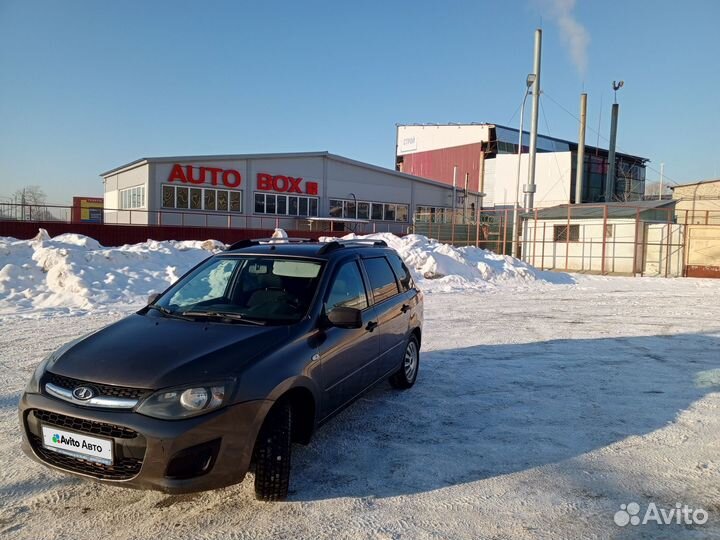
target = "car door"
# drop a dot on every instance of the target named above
(346, 353)
(391, 313)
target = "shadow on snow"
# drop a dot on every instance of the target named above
(490, 410)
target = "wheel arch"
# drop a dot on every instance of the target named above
(304, 399)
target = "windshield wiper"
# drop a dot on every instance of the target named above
(223, 315)
(168, 313)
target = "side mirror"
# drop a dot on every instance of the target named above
(345, 317)
(151, 299)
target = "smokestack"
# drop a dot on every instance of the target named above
(529, 189)
(580, 169)
(610, 183)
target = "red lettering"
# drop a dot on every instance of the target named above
(231, 183)
(311, 188)
(191, 179)
(214, 175)
(294, 186)
(264, 182)
(177, 174)
(278, 186)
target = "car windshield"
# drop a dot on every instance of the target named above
(255, 289)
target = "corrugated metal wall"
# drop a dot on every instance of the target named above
(438, 165)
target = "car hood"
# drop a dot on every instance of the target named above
(152, 352)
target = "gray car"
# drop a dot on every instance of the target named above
(246, 354)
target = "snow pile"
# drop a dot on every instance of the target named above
(72, 272)
(443, 267)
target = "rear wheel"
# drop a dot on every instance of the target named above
(272, 454)
(406, 376)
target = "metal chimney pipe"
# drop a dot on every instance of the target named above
(610, 183)
(529, 189)
(580, 168)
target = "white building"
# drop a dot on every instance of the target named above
(296, 191)
(487, 156)
(639, 237)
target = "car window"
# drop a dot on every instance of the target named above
(210, 283)
(402, 273)
(273, 289)
(347, 289)
(382, 279)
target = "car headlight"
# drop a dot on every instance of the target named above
(186, 401)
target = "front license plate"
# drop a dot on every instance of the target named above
(78, 445)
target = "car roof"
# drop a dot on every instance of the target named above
(314, 250)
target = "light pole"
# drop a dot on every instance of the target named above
(354, 227)
(516, 207)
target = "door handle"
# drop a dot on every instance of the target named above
(405, 308)
(372, 325)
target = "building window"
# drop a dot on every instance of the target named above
(352, 209)
(284, 205)
(433, 214)
(133, 197)
(210, 200)
(565, 233)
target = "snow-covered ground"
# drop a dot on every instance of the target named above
(544, 402)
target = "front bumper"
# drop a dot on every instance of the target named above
(144, 447)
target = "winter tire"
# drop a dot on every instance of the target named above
(272, 454)
(406, 376)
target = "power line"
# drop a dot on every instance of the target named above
(600, 136)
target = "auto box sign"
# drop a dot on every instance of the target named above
(214, 176)
(231, 178)
(285, 184)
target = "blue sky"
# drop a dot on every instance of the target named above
(86, 86)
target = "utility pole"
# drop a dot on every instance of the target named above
(454, 201)
(465, 197)
(529, 189)
(610, 183)
(530, 79)
(662, 170)
(580, 168)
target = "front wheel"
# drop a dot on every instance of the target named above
(272, 454)
(406, 376)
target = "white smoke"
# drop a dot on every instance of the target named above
(573, 33)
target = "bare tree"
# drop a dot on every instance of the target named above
(30, 195)
(31, 200)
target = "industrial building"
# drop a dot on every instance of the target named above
(486, 156)
(296, 191)
(698, 203)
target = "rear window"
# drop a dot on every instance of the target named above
(382, 279)
(402, 273)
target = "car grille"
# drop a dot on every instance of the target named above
(127, 459)
(122, 469)
(103, 389)
(84, 426)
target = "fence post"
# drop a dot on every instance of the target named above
(636, 243)
(504, 240)
(567, 239)
(477, 227)
(667, 251)
(452, 232)
(535, 228)
(604, 240)
(542, 256)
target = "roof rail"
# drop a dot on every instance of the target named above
(360, 242)
(257, 241)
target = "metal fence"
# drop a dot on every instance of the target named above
(622, 240)
(189, 218)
